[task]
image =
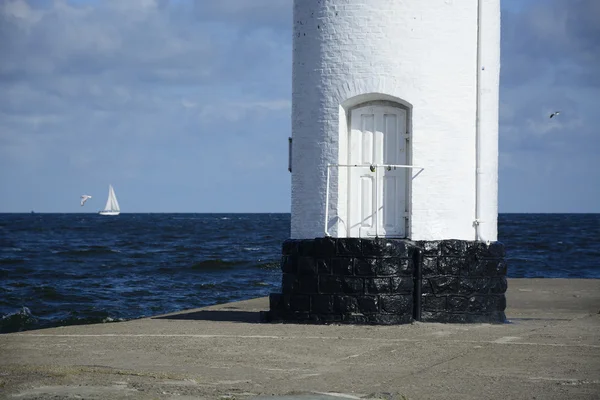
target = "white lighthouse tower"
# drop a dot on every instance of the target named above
(395, 142)
(395, 82)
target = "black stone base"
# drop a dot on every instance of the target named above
(390, 281)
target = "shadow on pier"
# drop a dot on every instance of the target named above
(222, 315)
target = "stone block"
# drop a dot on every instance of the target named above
(330, 318)
(498, 285)
(502, 268)
(497, 317)
(493, 285)
(288, 264)
(290, 247)
(366, 266)
(276, 301)
(500, 303)
(430, 247)
(395, 266)
(453, 266)
(289, 283)
(308, 284)
(429, 266)
(355, 318)
(453, 248)
(306, 248)
(368, 304)
(397, 304)
(307, 266)
(401, 285)
(297, 317)
(324, 266)
(352, 285)
(330, 284)
(458, 303)
(462, 317)
(299, 303)
(468, 286)
(342, 265)
(325, 247)
(443, 285)
(434, 303)
(483, 267)
(398, 248)
(378, 285)
(434, 316)
(456, 318)
(344, 304)
(348, 247)
(321, 304)
(488, 267)
(372, 247)
(426, 286)
(481, 304)
(482, 250)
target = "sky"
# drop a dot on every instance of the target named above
(184, 106)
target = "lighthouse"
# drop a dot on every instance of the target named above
(394, 164)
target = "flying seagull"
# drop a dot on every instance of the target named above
(84, 198)
(554, 114)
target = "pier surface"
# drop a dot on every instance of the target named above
(549, 350)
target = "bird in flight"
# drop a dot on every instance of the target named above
(85, 198)
(555, 113)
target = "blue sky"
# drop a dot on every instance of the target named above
(185, 106)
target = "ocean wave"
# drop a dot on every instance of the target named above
(214, 264)
(12, 260)
(268, 265)
(220, 287)
(16, 271)
(259, 283)
(23, 319)
(18, 321)
(15, 249)
(89, 251)
(50, 293)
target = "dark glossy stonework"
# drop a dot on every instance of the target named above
(390, 281)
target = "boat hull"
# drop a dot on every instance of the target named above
(109, 212)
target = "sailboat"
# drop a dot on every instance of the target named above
(112, 205)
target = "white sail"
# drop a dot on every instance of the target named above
(112, 205)
(115, 203)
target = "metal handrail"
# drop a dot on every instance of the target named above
(372, 166)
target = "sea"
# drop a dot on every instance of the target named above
(67, 269)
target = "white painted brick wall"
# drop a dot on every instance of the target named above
(423, 52)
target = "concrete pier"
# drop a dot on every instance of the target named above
(549, 350)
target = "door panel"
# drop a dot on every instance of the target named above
(377, 136)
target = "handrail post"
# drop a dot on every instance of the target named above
(376, 201)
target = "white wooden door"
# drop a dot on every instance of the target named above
(377, 136)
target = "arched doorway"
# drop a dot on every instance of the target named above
(378, 187)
